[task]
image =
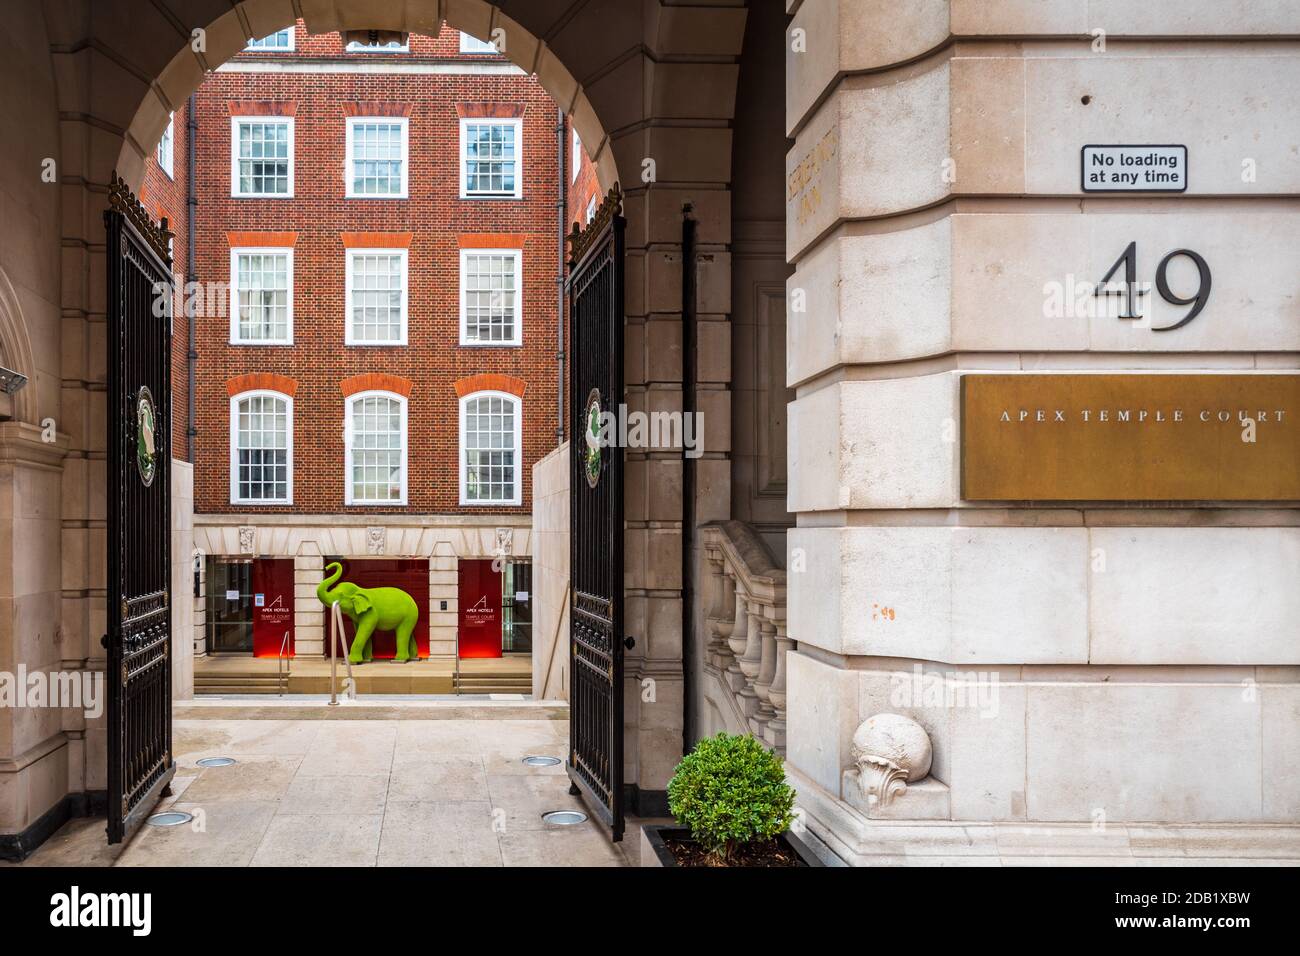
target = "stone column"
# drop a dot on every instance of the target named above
(182, 580)
(311, 624)
(199, 631)
(443, 586)
(36, 740)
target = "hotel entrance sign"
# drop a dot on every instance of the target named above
(1134, 169)
(1138, 437)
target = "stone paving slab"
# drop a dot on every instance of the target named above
(396, 787)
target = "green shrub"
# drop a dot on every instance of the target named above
(730, 790)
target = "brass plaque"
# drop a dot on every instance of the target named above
(1130, 437)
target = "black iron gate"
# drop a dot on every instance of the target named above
(140, 290)
(595, 288)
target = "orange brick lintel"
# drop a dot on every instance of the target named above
(490, 382)
(376, 108)
(261, 381)
(261, 108)
(268, 240)
(486, 110)
(376, 382)
(377, 240)
(492, 240)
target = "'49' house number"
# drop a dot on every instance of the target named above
(1131, 290)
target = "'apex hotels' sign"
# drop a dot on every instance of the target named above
(1134, 169)
(1130, 437)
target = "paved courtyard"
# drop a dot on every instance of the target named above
(358, 792)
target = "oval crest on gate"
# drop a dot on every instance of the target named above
(591, 458)
(146, 427)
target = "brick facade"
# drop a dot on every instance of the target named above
(320, 86)
(582, 188)
(164, 197)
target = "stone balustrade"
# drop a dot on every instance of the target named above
(746, 626)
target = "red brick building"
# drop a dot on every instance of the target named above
(376, 254)
(164, 195)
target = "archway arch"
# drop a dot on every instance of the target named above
(16, 349)
(230, 33)
(652, 80)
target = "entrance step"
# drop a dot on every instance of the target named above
(229, 675)
(367, 708)
(236, 683)
(494, 683)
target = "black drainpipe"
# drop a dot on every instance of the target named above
(561, 209)
(689, 320)
(191, 275)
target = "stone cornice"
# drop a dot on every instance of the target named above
(233, 520)
(22, 442)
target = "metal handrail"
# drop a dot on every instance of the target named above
(282, 679)
(336, 627)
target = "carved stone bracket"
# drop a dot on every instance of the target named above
(247, 539)
(890, 751)
(376, 538)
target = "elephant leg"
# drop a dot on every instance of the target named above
(361, 643)
(406, 649)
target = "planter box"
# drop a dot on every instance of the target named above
(654, 852)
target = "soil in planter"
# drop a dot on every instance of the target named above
(767, 853)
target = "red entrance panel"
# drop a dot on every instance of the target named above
(272, 605)
(411, 576)
(479, 602)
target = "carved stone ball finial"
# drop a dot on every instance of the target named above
(890, 750)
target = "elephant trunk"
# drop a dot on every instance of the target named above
(324, 590)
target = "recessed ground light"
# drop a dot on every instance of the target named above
(216, 761)
(534, 760)
(169, 818)
(564, 818)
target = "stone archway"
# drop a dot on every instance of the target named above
(651, 87)
(229, 33)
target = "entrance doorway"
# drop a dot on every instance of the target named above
(229, 606)
(250, 604)
(494, 608)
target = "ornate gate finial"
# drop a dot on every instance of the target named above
(580, 239)
(121, 199)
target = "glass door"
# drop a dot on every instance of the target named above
(230, 606)
(517, 608)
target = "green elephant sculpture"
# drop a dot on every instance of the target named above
(372, 609)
